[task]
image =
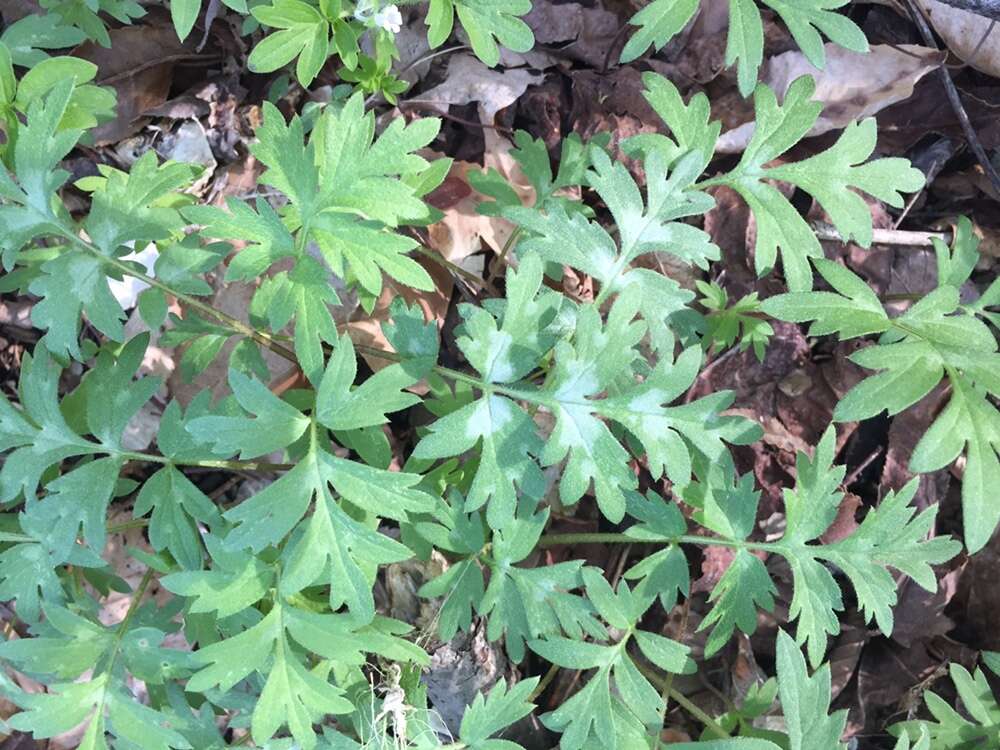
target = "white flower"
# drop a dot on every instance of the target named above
(389, 18)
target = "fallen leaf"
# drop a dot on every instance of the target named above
(851, 87)
(463, 230)
(469, 80)
(460, 670)
(189, 144)
(972, 37)
(844, 523)
(139, 65)
(574, 31)
(367, 329)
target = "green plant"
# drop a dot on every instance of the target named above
(950, 730)
(276, 591)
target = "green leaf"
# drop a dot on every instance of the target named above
(125, 209)
(532, 156)
(571, 239)
(462, 587)
(237, 581)
(335, 549)
(38, 431)
(66, 706)
(501, 353)
(736, 743)
(28, 211)
(347, 189)
(184, 13)
(27, 37)
(292, 695)
(661, 20)
(667, 654)
(745, 43)
(28, 576)
(805, 700)
(440, 20)
(804, 18)
(591, 712)
(501, 708)
(745, 586)
(338, 406)
(658, 23)
(726, 325)
(76, 645)
(275, 424)
(970, 421)
(290, 164)
(487, 22)
(111, 395)
(891, 535)
(689, 124)
(71, 704)
(304, 33)
(268, 240)
(76, 502)
(852, 310)
(177, 507)
(934, 339)
(831, 177)
(951, 730)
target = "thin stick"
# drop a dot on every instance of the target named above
(949, 86)
(901, 237)
(429, 106)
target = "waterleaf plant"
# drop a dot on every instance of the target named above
(270, 626)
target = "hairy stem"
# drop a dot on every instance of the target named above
(684, 702)
(556, 540)
(231, 465)
(235, 325)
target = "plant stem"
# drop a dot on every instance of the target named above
(208, 464)
(454, 268)
(546, 680)
(555, 540)
(445, 372)
(509, 244)
(122, 628)
(235, 325)
(692, 708)
(135, 523)
(684, 702)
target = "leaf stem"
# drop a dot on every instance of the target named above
(555, 540)
(684, 702)
(122, 628)
(231, 465)
(234, 324)
(546, 680)
(692, 708)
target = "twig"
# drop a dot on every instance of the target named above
(430, 56)
(427, 106)
(853, 476)
(611, 47)
(949, 86)
(900, 237)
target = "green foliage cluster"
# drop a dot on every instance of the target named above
(561, 399)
